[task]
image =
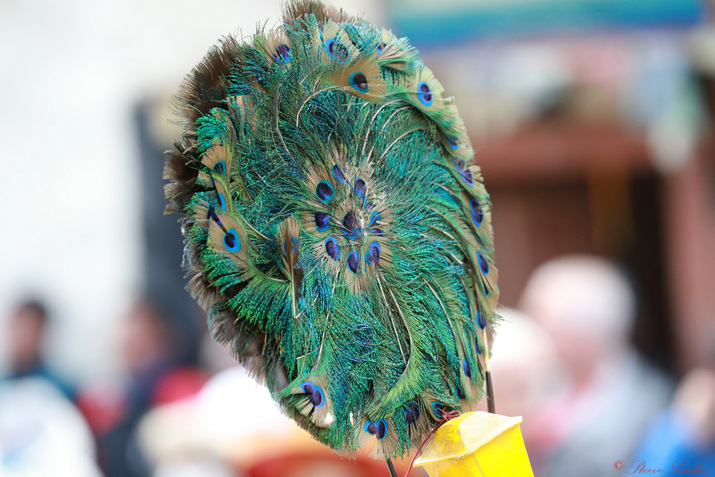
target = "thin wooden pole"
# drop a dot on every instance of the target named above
(490, 393)
(393, 472)
(488, 376)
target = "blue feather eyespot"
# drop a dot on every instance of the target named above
(337, 51)
(282, 53)
(373, 254)
(322, 221)
(212, 214)
(477, 216)
(231, 241)
(221, 201)
(381, 47)
(377, 232)
(358, 80)
(338, 174)
(481, 320)
(353, 261)
(453, 142)
(412, 413)
(424, 94)
(438, 409)
(376, 428)
(464, 171)
(369, 206)
(295, 245)
(477, 346)
(483, 264)
(485, 289)
(352, 228)
(219, 168)
(324, 191)
(467, 369)
(360, 188)
(316, 396)
(332, 248)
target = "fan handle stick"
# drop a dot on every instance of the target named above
(393, 472)
(488, 377)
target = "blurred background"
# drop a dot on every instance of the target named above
(592, 121)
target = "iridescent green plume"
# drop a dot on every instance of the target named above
(337, 231)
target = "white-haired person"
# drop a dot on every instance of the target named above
(611, 394)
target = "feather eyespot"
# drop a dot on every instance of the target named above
(322, 221)
(282, 53)
(352, 228)
(467, 369)
(438, 409)
(358, 80)
(453, 142)
(377, 428)
(485, 290)
(381, 46)
(360, 188)
(294, 245)
(219, 168)
(478, 218)
(231, 241)
(481, 320)
(477, 346)
(353, 261)
(338, 174)
(483, 264)
(464, 171)
(373, 254)
(377, 232)
(214, 217)
(424, 94)
(332, 248)
(324, 191)
(412, 414)
(221, 201)
(337, 51)
(316, 396)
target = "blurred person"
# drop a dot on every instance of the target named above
(26, 339)
(156, 376)
(42, 433)
(588, 307)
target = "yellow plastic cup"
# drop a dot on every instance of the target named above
(479, 444)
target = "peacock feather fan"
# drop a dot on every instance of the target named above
(337, 231)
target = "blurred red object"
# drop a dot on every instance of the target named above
(178, 384)
(101, 406)
(317, 464)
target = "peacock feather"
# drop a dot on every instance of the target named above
(337, 231)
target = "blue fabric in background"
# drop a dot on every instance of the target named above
(669, 445)
(447, 22)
